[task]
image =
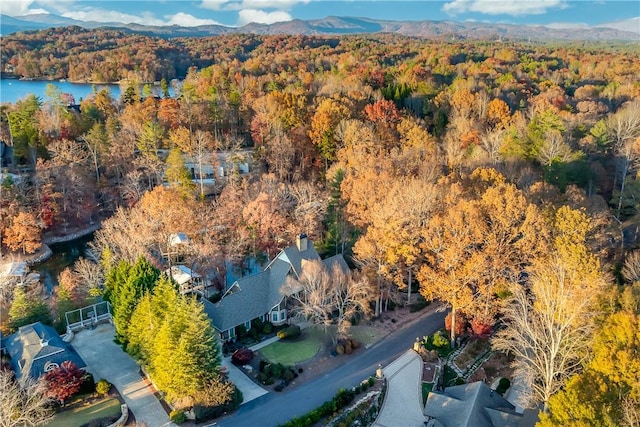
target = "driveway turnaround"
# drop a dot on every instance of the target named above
(403, 401)
(105, 359)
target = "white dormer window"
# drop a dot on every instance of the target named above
(50, 366)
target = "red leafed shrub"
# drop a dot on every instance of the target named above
(461, 323)
(242, 356)
(481, 327)
(64, 381)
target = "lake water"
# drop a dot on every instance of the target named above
(13, 90)
(64, 255)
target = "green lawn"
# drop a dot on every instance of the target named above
(367, 335)
(291, 352)
(78, 416)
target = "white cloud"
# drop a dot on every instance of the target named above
(102, 15)
(247, 16)
(500, 7)
(250, 4)
(186, 20)
(17, 7)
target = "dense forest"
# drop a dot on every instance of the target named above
(498, 178)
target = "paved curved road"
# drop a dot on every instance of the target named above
(277, 408)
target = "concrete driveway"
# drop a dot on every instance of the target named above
(249, 389)
(106, 360)
(403, 401)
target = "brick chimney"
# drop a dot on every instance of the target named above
(301, 242)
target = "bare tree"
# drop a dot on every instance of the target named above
(554, 148)
(548, 329)
(23, 403)
(491, 142)
(625, 130)
(631, 268)
(630, 412)
(90, 273)
(329, 295)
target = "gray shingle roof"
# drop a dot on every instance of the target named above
(338, 260)
(471, 405)
(34, 346)
(255, 295)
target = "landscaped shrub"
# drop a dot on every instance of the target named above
(88, 384)
(439, 340)
(419, 304)
(503, 385)
(204, 413)
(292, 331)
(257, 325)
(265, 379)
(267, 328)
(177, 417)
(241, 331)
(481, 327)
(242, 356)
(103, 386)
(341, 400)
(348, 349)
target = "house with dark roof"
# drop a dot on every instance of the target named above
(470, 405)
(262, 295)
(36, 349)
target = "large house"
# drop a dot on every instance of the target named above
(262, 295)
(470, 405)
(36, 349)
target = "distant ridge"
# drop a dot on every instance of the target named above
(628, 30)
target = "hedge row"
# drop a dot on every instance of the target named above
(340, 401)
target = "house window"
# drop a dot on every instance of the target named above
(274, 316)
(232, 333)
(247, 325)
(50, 366)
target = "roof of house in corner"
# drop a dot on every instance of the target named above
(35, 346)
(471, 405)
(255, 295)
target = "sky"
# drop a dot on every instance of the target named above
(240, 12)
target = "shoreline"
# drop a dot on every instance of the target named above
(45, 252)
(52, 240)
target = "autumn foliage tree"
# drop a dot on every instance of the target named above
(549, 324)
(607, 391)
(23, 234)
(64, 381)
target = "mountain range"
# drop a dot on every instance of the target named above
(333, 25)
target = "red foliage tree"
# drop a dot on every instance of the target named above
(481, 327)
(64, 381)
(383, 112)
(461, 323)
